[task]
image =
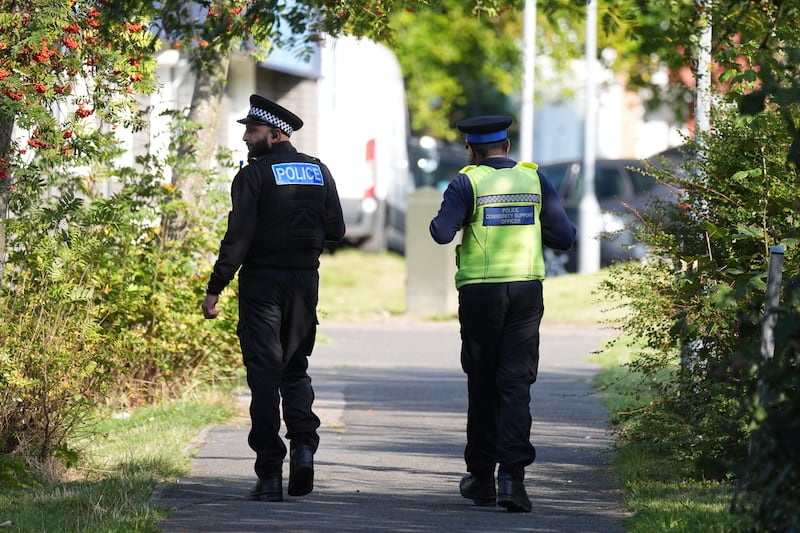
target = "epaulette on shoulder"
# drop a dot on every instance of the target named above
(311, 157)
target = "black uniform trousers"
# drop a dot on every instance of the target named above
(500, 355)
(277, 328)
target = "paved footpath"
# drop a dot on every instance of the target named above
(392, 399)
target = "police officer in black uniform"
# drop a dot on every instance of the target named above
(284, 208)
(508, 211)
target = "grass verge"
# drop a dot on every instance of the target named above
(357, 286)
(657, 493)
(576, 299)
(129, 454)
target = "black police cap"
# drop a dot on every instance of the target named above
(485, 129)
(264, 111)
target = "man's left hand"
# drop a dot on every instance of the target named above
(210, 306)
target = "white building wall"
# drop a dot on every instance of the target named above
(624, 129)
(235, 105)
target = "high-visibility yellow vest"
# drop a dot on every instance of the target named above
(503, 241)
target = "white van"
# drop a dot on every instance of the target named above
(363, 136)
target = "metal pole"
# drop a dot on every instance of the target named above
(771, 302)
(589, 209)
(528, 74)
(702, 112)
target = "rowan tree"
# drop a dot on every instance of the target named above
(66, 71)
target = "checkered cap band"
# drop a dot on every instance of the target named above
(508, 199)
(266, 116)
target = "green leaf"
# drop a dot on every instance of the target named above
(787, 97)
(750, 173)
(758, 282)
(752, 103)
(793, 155)
(724, 297)
(748, 232)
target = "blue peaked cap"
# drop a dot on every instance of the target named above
(485, 129)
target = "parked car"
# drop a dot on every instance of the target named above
(435, 162)
(622, 188)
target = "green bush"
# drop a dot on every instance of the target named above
(770, 477)
(98, 306)
(697, 303)
(49, 359)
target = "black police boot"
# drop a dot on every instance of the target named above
(301, 470)
(268, 489)
(511, 494)
(479, 489)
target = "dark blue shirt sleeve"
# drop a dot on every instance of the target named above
(558, 231)
(455, 211)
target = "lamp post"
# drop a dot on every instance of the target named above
(589, 209)
(526, 121)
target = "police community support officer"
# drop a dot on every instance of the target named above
(284, 208)
(508, 212)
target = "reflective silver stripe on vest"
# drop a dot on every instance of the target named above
(508, 198)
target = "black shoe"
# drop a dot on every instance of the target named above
(301, 470)
(268, 489)
(478, 489)
(511, 494)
